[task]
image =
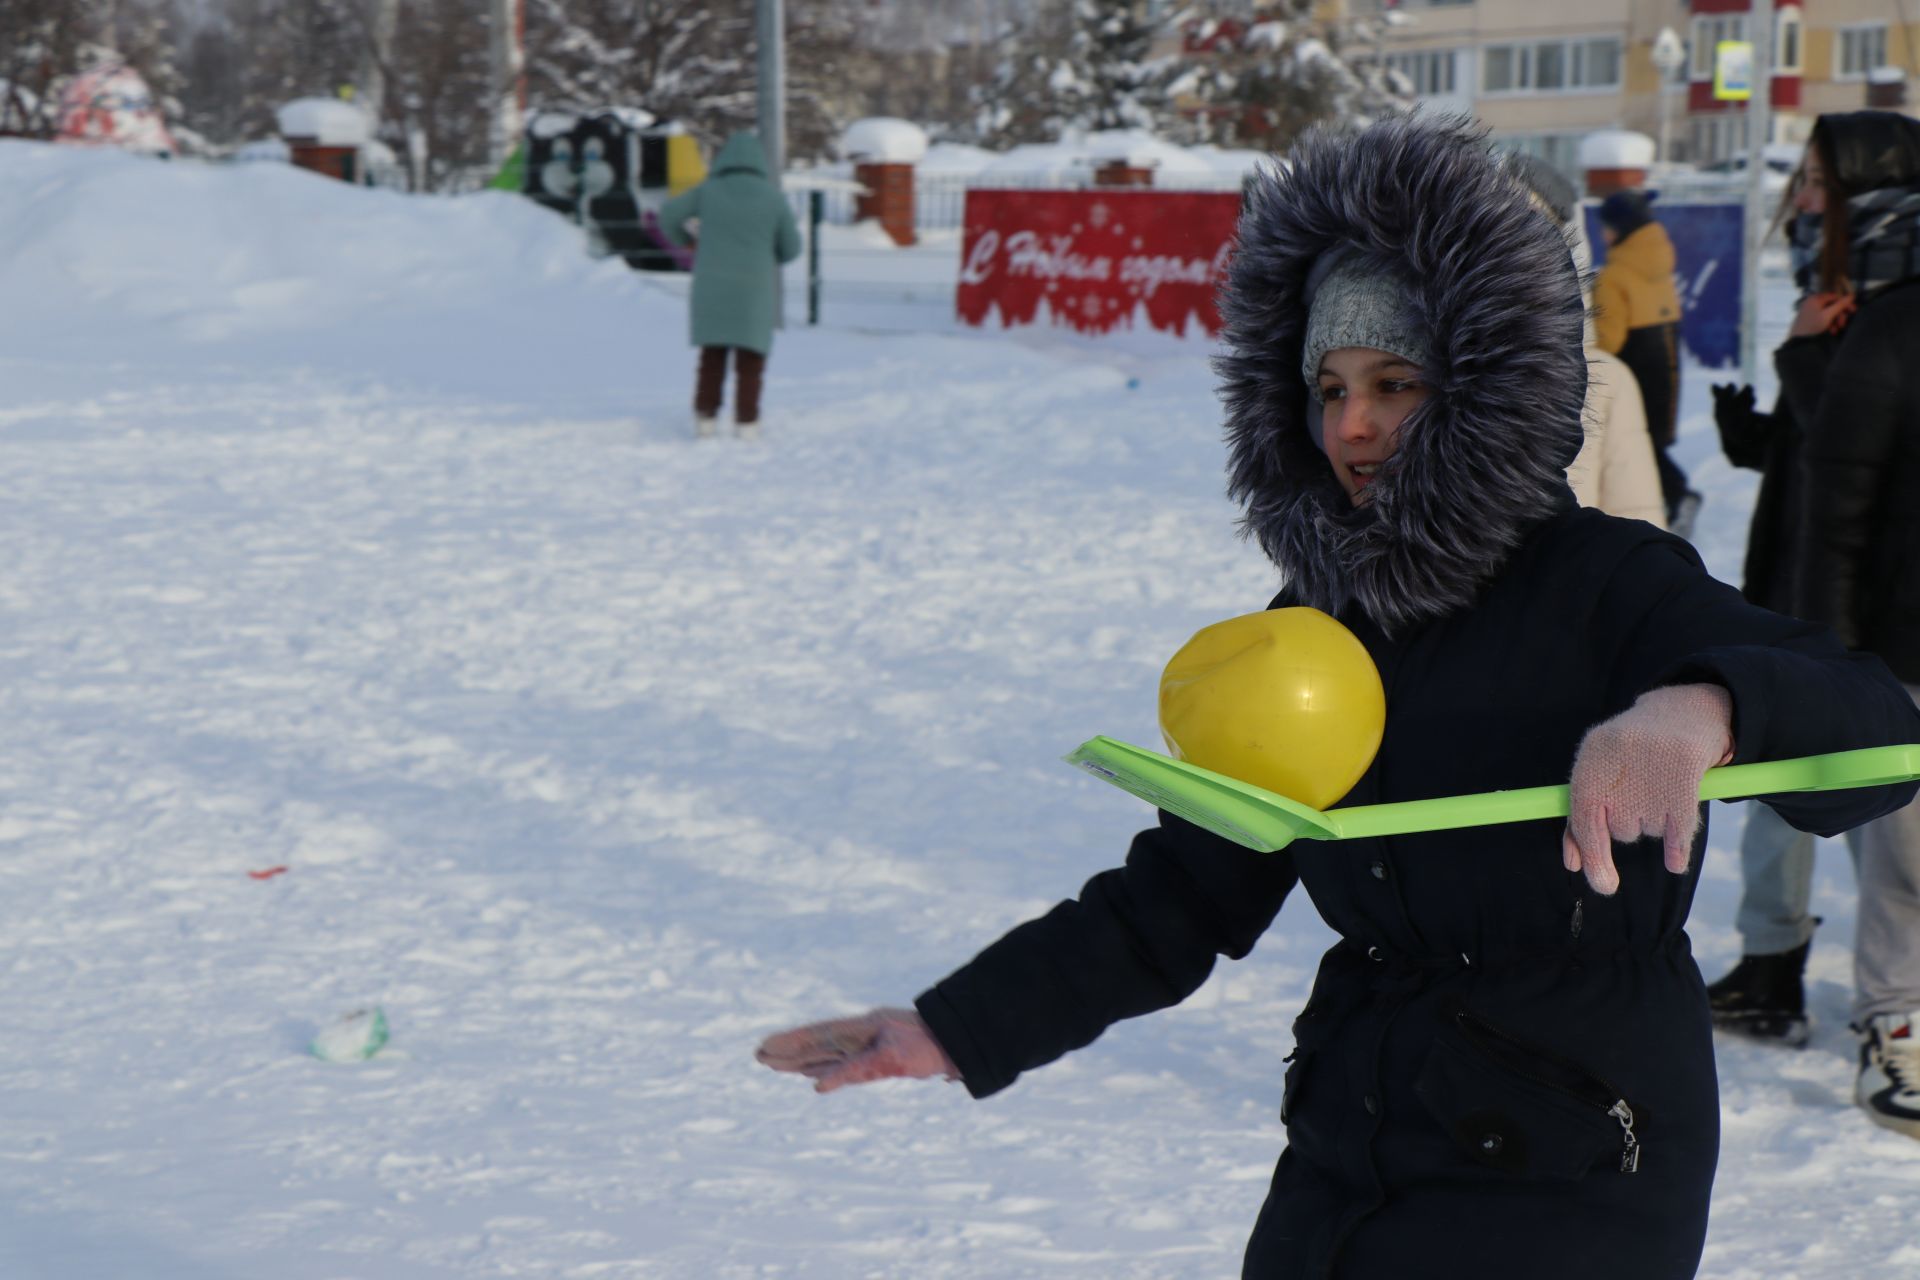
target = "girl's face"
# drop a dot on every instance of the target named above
(1365, 395)
(1810, 194)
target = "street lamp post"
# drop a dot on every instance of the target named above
(1759, 126)
(1668, 56)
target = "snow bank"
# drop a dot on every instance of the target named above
(1143, 150)
(263, 151)
(1073, 160)
(883, 140)
(1233, 162)
(953, 159)
(221, 258)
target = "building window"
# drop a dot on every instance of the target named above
(1430, 71)
(1859, 50)
(1718, 137)
(1708, 31)
(1551, 66)
(1559, 150)
(1786, 41)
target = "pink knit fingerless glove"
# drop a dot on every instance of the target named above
(880, 1045)
(1638, 775)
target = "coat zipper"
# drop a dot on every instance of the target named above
(1606, 1098)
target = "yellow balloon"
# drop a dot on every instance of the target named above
(1287, 699)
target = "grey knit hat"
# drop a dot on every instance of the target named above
(1352, 304)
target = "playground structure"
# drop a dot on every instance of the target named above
(611, 171)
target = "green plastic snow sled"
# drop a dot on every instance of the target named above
(1260, 819)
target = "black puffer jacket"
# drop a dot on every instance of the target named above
(1458, 1101)
(1858, 547)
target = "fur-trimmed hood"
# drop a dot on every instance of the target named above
(1484, 459)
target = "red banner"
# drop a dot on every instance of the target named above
(1094, 259)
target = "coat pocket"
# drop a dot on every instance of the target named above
(1522, 1110)
(1310, 1031)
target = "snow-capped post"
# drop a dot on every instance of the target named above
(327, 136)
(1669, 55)
(1759, 217)
(884, 151)
(1615, 160)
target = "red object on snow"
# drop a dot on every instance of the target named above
(268, 874)
(1096, 258)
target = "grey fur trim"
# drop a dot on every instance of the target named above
(1484, 459)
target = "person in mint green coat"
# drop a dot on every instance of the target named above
(742, 230)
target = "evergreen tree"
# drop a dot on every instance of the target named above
(692, 61)
(1114, 81)
(1257, 74)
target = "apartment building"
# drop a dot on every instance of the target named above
(1545, 73)
(1829, 55)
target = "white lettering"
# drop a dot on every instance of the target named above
(1026, 256)
(1152, 271)
(978, 268)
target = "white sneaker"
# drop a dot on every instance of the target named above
(747, 430)
(705, 428)
(1888, 1087)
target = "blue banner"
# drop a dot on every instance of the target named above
(1707, 241)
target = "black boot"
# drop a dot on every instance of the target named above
(1764, 997)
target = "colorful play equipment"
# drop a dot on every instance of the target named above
(611, 171)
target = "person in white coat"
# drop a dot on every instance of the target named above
(1616, 471)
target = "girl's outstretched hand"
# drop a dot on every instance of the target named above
(882, 1044)
(1638, 775)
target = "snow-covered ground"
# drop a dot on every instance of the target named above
(361, 535)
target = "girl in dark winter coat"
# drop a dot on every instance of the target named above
(1836, 539)
(1506, 1065)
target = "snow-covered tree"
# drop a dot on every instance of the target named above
(1257, 73)
(1118, 85)
(244, 59)
(693, 61)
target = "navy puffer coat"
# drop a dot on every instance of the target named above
(1498, 1072)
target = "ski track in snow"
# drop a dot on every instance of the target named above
(594, 754)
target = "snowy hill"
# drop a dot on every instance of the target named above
(360, 535)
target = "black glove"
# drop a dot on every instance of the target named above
(1743, 433)
(1732, 405)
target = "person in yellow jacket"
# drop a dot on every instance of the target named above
(1637, 317)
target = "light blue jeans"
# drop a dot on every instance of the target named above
(1776, 870)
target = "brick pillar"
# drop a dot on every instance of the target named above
(1118, 173)
(1602, 183)
(335, 162)
(888, 197)
(1887, 92)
